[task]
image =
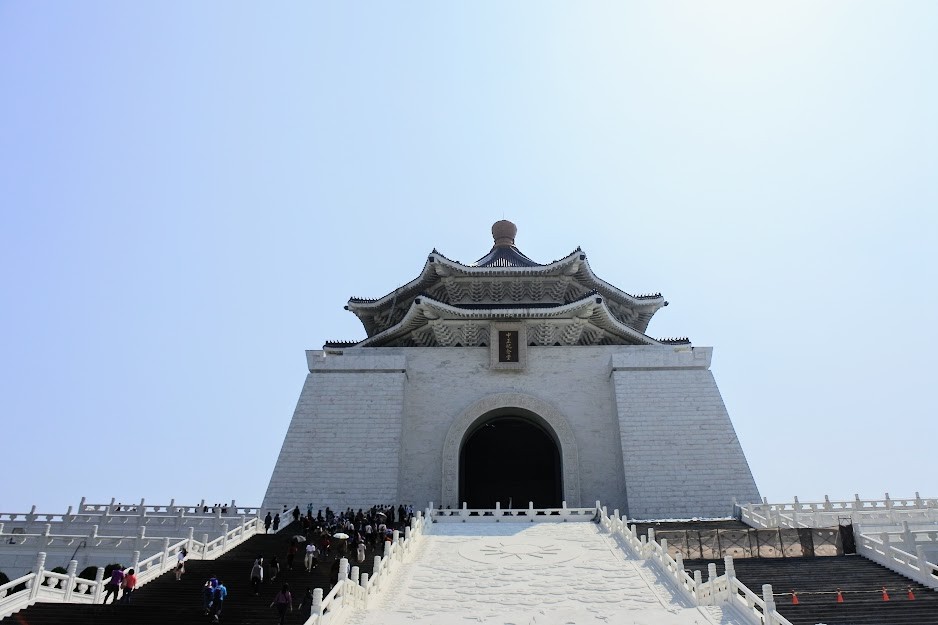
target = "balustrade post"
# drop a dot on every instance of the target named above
(857, 503)
(908, 538)
(81, 505)
(827, 502)
(680, 563)
(166, 563)
(406, 535)
(48, 530)
(698, 582)
(797, 505)
(72, 570)
(94, 531)
(769, 600)
(37, 580)
(204, 546)
(395, 536)
(110, 509)
(918, 500)
(353, 576)
(343, 569)
(142, 509)
(141, 536)
(224, 538)
(664, 546)
(317, 603)
(387, 549)
(98, 584)
(364, 585)
(730, 570)
(135, 561)
(563, 505)
(191, 540)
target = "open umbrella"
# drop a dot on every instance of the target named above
(340, 535)
(381, 514)
(300, 538)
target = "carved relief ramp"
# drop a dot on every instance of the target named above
(528, 574)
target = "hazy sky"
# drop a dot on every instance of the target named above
(190, 192)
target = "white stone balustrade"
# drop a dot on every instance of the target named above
(528, 514)
(43, 585)
(353, 590)
(829, 513)
(724, 590)
(900, 534)
(171, 518)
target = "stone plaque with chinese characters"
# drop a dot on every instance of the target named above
(508, 349)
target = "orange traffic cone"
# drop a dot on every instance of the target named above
(885, 594)
(840, 596)
(911, 594)
(794, 597)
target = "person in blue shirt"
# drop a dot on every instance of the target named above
(221, 593)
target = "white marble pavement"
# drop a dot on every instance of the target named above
(538, 574)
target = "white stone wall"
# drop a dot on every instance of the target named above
(651, 433)
(343, 445)
(679, 448)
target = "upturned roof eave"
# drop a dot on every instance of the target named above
(429, 274)
(425, 304)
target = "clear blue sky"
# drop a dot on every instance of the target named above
(190, 192)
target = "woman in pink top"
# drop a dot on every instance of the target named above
(129, 584)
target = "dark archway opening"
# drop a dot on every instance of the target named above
(510, 459)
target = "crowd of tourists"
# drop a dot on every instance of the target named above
(318, 539)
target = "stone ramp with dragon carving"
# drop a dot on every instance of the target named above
(538, 574)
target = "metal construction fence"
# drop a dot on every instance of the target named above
(713, 544)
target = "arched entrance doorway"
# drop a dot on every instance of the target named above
(510, 459)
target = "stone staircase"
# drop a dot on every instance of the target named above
(816, 581)
(165, 601)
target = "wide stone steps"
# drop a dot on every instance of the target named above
(165, 601)
(816, 581)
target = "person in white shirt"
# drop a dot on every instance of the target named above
(310, 560)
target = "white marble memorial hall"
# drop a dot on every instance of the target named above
(508, 380)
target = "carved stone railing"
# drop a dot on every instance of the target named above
(46, 586)
(167, 517)
(896, 533)
(828, 513)
(353, 590)
(902, 552)
(724, 590)
(530, 514)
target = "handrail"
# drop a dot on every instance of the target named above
(499, 514)
(354, 590)
(46, 586)
(823, 514)
(725, 589)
